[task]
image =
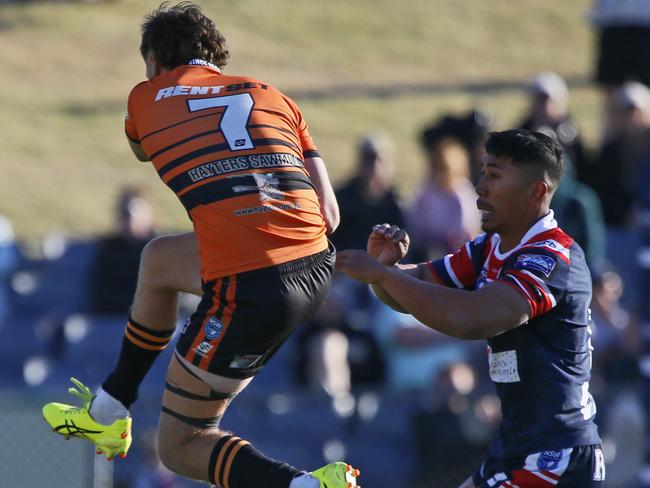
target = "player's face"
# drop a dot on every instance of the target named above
(502, 196)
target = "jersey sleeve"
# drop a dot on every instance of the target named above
(530, 273)
(129, 120)
(461, 269)
(309, 149)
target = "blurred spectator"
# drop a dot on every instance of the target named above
(114, 272)
(336, 351)
(9, 257)
(626, 144)
(618, 347)
(368, 198)
(642, 283)
(616, 341)
(642, 228)
(549, 110)
(623, 51)
(415, 353)
(579, 212)
(443, 215)
(455, 420)
(470, 129)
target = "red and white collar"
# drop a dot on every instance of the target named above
(544, 224)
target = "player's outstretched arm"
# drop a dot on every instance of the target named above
(329, 206)
(479, 314)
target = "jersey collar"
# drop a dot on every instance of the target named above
(203, 62)
(542, 225)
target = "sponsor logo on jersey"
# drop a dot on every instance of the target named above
(553, 245)
(175, 91)
(536, 262)
(503, 366)
(267, 184)
(203, 348)
(244, 163)
(549, 460)
(244, 362)
(213, 328)
(266, 209)
(186, 90)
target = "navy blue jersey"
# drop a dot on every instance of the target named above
(542, 368)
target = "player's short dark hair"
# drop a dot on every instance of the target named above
(182, 32)
(529, 148)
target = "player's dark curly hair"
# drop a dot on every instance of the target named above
(182, 32)
(531, 148)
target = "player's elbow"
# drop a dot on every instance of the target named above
(472, 333)
(332, 219)
(138, 152)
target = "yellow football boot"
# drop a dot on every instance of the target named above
(70, 421)
(337, 475)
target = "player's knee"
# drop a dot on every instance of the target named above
(153, 258)
(171, 263)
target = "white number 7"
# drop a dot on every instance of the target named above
(235, 117)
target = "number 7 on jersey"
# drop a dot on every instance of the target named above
(237, 110)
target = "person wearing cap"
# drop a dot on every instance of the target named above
(626, 144)
(369, 196)
(366, 198)
(549, 112)
(576, 206)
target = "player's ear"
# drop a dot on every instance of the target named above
(154, 68)
(538, 190)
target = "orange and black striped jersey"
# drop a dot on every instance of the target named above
(232, 149)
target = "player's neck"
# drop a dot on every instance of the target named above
(511, 238)
(509, 241)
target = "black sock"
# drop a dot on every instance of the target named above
(140, 347)
(234, 463)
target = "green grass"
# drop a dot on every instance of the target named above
(68, 67)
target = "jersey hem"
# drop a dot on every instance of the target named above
(586, 437)
(284, 258)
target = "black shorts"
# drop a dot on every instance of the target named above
(624, 55)
(574, 467)
(243, 319)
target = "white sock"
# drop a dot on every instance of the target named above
(105, 409)
(305, 480)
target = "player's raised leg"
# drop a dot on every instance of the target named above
(192, 444)
(169, 264)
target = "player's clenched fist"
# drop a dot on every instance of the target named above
(388, 243)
